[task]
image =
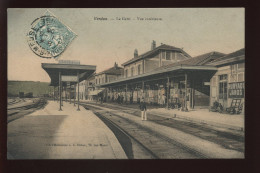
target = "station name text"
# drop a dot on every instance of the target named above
(128, 18)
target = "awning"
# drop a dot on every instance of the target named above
(53, 70)
(95, 92)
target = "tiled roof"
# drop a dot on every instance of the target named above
(161, 47)
(237, 53)
(112, 70)
(92, 76)
(198, 60)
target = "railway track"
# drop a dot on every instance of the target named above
(19, 111)
(14, 101)
(229, 140)
(154, 143)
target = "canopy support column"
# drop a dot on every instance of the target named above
(125, 93)
(168, 92)
(53, 93)
(192, 94)
(143, 90)
(66, 92)
(74, 94)
(61, 94)
(78, 91)
(60, 89)
(70, 93)
(185, 99)
(107, 94)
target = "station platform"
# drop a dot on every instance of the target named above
(69, 134)
(216, 119)
(209, 149)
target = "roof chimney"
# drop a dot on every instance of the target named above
(115, 65)
(153, 45)
(135, 53)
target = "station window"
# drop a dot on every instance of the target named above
(223, 86)
(237, 72)
(168, 55)
(126, 73)
(99, 81)
(240, 77)
(132, 71)
(223, 77)
(240, 67)
(234, 68)
(163, 55)
(233, 77)
(139, 69)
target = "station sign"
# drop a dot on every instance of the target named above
(69, 78)
(236, 90)
(207, 83)
(76, 62)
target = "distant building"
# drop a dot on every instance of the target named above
(229, 81)
(93, 90)
(109, 75)
(90, 87)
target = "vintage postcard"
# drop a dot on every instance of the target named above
(133, 83)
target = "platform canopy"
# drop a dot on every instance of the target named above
(164, 72)
(53, 70)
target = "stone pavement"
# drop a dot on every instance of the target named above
(68, 134)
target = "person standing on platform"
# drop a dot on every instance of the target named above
(143, 109)
(131, 99)
(118, 99)
(163, 100)
(122, 100)
(101, 98)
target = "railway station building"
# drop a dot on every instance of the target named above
(166, 76)
(228, 82)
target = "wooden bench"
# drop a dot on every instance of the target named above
(235, 107)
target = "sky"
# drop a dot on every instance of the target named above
(104, 42)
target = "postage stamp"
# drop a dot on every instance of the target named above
(49, 37)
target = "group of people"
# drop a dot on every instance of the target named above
(120, 99)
